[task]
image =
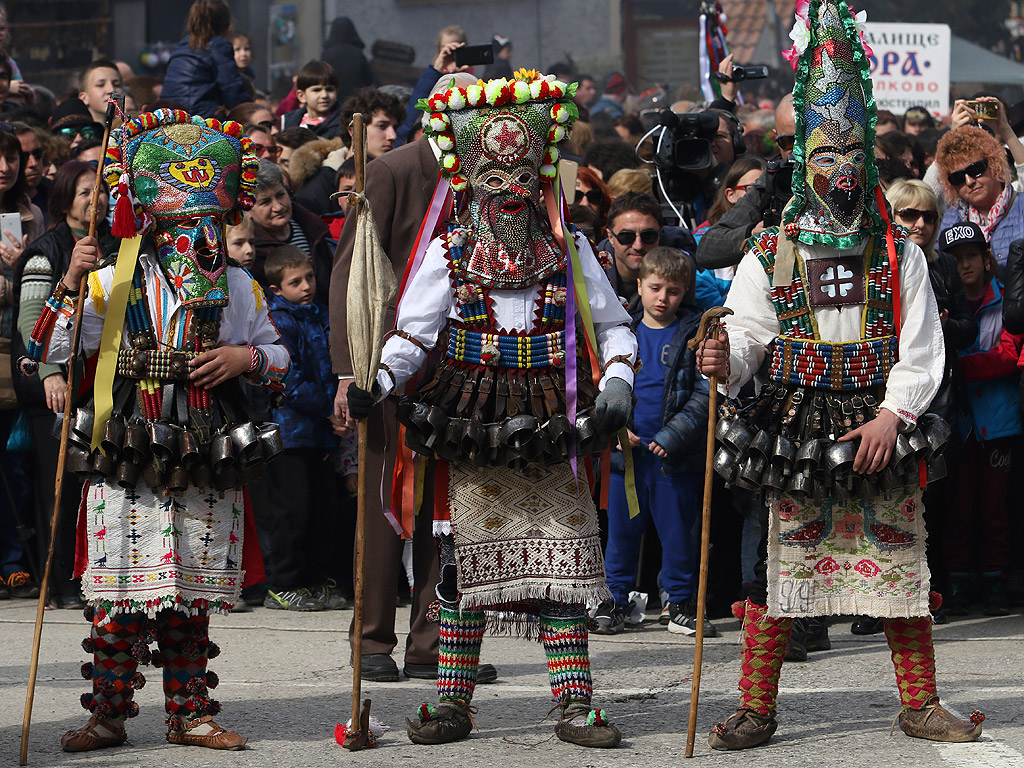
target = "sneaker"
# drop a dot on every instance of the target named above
(610, 618)
(666, 615)
(683, 619)
(293, 600)
(330, 595)
(20, 585)
(996, 602)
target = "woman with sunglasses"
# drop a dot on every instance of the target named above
(713, 284)
(42, 264)
(975, 178)
(593, 192)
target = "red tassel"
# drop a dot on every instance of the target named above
(124, 218)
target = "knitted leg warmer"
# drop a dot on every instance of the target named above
(913, 656)
(458, 655)
(764, 645)
(117, 649)
(186, 648)
(566, 648)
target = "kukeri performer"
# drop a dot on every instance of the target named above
(840, 303)
(164, 533)
(494, 295)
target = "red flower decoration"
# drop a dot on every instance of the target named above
(826, 566)
(867, 568)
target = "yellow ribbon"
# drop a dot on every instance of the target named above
(587, 316)
(110, 340)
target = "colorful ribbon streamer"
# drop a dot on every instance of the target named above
(110, 340)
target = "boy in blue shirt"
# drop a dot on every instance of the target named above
(667, 441)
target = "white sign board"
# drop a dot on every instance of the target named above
(910, 65)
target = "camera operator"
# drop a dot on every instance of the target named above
(722, 244)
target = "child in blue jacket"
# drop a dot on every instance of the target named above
(667, 441)
(304, 489)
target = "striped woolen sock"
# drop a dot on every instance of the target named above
(459, 653)
(913, 656)
(565, 645)
(764, 645)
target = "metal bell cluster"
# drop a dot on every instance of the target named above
(513, 442)
(169, 457)
(816, 468)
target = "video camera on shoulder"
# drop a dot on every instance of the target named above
(778, 188)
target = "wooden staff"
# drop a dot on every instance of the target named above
(58, 486)
(360, 720)
(710, 327)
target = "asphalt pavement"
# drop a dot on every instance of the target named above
(286, 682)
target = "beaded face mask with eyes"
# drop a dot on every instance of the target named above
(835, 175)
(501, 153)
(185, 177)
(498, 146)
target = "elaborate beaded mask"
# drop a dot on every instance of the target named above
(181, 178)
(835, 176)
(498, 145)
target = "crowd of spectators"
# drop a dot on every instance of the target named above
(937, 172)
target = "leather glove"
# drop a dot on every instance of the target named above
(613, 406)
(361, 402)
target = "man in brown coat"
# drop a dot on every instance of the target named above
(399, 185)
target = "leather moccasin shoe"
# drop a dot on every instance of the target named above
(936, 723)
(579, 724)
(746, 728)
(98, 733)
(204, 732)
(440, 724)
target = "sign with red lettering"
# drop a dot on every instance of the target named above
(910, 65)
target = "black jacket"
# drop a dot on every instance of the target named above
(959, 331)
(328, 129)
(203, 80)
(343, 50)
(722, 244)
(1013, 289)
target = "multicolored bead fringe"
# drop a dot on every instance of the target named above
(458, 655)
(764, 646)
(568, 654)
(913, 656)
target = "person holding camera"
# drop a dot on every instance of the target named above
(722, 244)
(975, 177)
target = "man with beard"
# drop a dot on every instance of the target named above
(512, 404)
(838, 301)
